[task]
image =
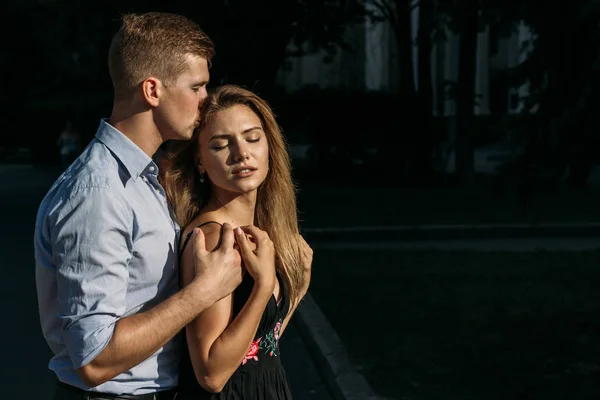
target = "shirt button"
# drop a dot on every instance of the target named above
(151, 168)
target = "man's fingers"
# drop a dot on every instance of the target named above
(227, 239)
(199, 242)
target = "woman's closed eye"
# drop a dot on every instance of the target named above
(218, 146)
(221, 145)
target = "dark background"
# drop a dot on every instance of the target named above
(54, 68)
(508, 147)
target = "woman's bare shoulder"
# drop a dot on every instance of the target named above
(210, 228)
(205, 222)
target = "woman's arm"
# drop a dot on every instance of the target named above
(217, 344)
(306, 254)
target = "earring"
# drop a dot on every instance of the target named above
(201, 177)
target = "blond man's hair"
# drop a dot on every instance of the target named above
(154, 44)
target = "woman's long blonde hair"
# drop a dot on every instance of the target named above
(275, 210)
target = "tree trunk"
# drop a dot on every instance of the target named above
(467, 62)
(401, 25)
(405, 49)
(425, 138)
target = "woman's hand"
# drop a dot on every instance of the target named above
(306, 256)
(259, 261)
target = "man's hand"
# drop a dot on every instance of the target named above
(218, 271)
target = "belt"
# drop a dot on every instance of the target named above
(170, 394)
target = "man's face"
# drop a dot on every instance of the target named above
(178, 112)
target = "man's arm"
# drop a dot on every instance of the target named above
(92, 248)
(137, 337)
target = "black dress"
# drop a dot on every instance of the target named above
(260, 375)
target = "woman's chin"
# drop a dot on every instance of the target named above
(240, 189)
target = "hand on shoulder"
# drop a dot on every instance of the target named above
(216, 262)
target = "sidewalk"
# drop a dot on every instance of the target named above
(315, 361)
(302, 371)
(445, 232)
(338, 375)
(480, 244)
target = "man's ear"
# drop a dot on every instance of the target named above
(151, 90)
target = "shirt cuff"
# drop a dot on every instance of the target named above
(87, 337)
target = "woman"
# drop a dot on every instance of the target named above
(237, 170)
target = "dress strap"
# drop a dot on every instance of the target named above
(189, 235)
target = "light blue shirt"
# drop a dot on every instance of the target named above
(105, 248)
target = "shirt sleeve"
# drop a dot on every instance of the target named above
(92, 247)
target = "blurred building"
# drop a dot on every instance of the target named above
(372, 65)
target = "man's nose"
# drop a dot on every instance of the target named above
(203, 96)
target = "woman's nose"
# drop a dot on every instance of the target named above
(241, 152)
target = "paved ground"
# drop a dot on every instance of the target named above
(25, 352)
(508, 244)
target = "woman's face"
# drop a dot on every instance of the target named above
(234, 152)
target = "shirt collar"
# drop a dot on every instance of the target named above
(131, 156)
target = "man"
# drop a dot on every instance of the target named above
(105, 240)
(69, 145)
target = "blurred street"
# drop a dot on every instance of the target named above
(24, 346)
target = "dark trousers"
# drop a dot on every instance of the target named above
(67, 392)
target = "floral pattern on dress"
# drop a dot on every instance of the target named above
(252, 352)
(271, 343)
(269, 346)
